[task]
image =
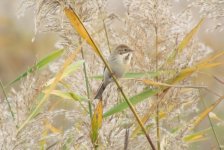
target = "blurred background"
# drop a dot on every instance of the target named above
(19, 50)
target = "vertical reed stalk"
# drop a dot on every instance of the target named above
(213, 130)
(87, 83)
(157, 95)
(6, 98)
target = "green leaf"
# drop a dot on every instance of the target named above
(68, 95)
(134, 100)
(39, 97)
(73, 67)
(133, 75)
(42, 63)
(70, 69)
(198, 136)
(67, 144)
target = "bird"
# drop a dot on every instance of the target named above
(119, 62)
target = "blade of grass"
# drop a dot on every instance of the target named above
(70, 96)
(134, 100)
(87, 85)
(67, 62)
(133, 75)
(96, 123)
(78, 25)
(195, 122)
(70, 69)
(67, 95)
(212, 127)
(185, 42)
(198, 136)
(42, 63)
(159, 84)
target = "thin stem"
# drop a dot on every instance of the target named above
(157, 125)
(105, 29)
(133, 111)
(108, 43)
(211, 124)
(157, 96)
(126, 139)
(87, 85)
(6, 98)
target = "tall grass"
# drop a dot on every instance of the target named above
(160, 88)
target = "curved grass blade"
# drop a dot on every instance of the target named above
(134, 100)
(68, 95)
(185, 41)
(133, 75)
(204, 113)
(70, 69)
(42, 63)
(196, 137)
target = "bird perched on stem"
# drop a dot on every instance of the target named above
(119, 62)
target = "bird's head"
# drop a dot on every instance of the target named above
(123, 50)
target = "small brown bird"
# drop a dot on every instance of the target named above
(119, 61)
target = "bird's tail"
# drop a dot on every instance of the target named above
(100, 91)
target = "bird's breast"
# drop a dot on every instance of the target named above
(118, 66)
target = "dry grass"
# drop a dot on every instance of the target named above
(58, 112)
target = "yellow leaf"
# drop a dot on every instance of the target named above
(154, 83)
(204, 114)
(183, 74)
(216, 56)
(96, 122)
(79, 27)
(189, 36)
(198, 136)
(185, 41)
(151, 82)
